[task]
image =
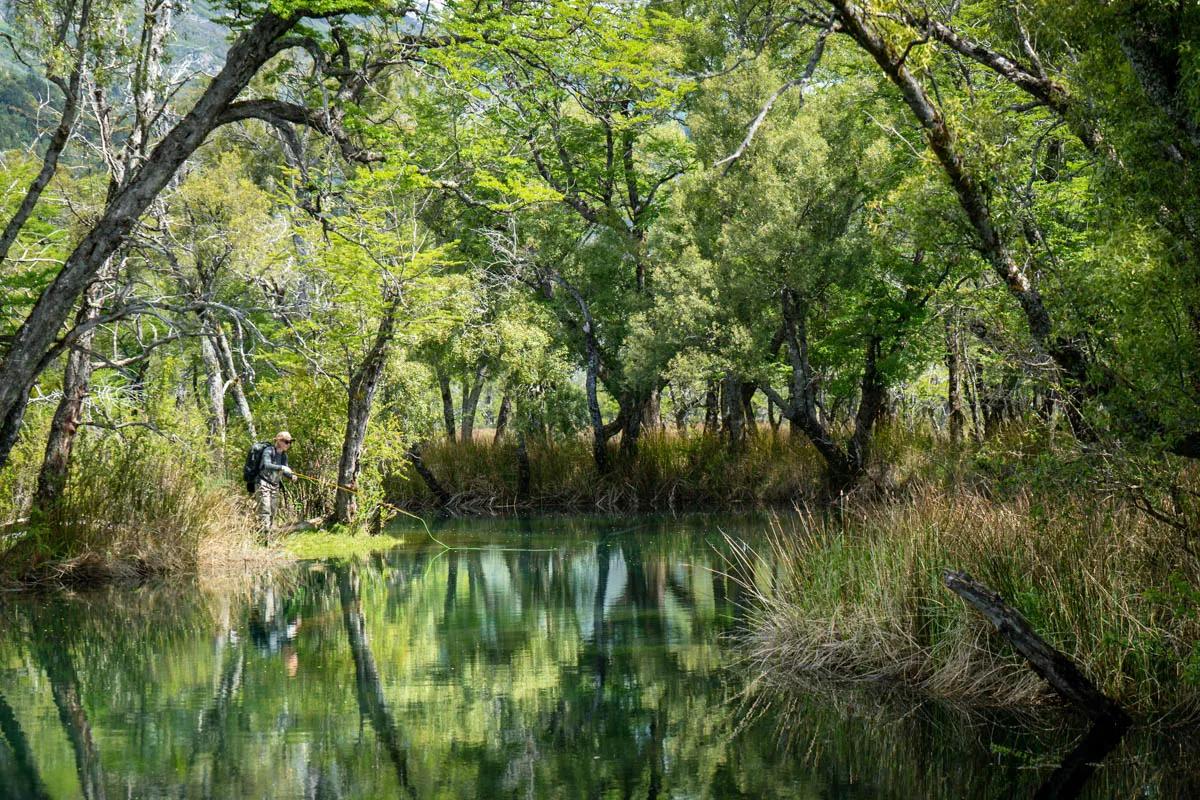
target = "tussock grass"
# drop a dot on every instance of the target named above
(133, 509)
(858, 594)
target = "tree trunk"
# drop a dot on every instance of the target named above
(471, 402)
(591, 344)
(447, 403)
(77, 375)
(502, 417)
(431, 481)
(747, 400)
(1055, 667)
(679, 410)
(843, 466)
(233, 378)
(34, 340)
(634, 408)
(361, 395)
(712, 407)
(599, 438)
(954, 410)
(652, 418)
(732, 414)
(872, 405)
(214, 383)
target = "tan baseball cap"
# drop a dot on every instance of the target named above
(284, 435)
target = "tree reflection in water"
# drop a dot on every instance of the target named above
(598, 668)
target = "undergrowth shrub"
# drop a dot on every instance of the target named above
(133, 506)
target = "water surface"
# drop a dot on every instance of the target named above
(558, 658)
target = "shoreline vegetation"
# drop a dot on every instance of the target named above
(859, 597)
(848, 590)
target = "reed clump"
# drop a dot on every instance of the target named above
(131, 509)
(858, 594)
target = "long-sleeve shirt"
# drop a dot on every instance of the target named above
(272, 465)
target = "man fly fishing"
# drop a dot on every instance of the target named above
(266, 463)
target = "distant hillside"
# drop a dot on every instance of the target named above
(197, 40)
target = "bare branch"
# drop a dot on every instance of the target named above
(802, 81)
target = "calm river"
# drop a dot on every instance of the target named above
(560, 658)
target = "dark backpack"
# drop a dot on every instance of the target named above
(253, 465)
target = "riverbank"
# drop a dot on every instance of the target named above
(851, 590)
(671, 472)
(859, 596)
(131, 511)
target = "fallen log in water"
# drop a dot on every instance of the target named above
(1063, 675)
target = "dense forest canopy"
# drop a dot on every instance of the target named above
(381, 225)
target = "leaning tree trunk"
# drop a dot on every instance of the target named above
(233, 378)
(33, 344)
(56, 463)
(361, 395)
(471, 402)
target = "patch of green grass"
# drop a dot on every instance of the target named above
(338, 544)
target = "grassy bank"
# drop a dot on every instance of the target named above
(132, 509)
(859, 596)
(670, 472)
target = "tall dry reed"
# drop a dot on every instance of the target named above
(132, 508)
(858, 594)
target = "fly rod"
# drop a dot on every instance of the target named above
(424, 524)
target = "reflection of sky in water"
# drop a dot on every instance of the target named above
(597, 667)
(585, 578)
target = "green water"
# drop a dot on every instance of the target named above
(589, 659)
